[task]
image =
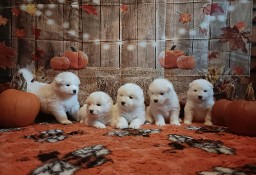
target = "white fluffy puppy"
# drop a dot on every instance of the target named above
(97, 110)
(164, 103)
(199, 102)
(57, 98)
(129, 110)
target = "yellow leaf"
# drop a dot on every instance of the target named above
(3, 20)
(31, 9)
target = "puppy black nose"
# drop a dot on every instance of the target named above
(91, 111)
(74, 91)
(123, 103)
(155, 101)
(200, 97)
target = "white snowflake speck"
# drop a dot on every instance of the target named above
(97, 41)
(105, 46)
(182, 31)
(192, 32)
(204, 25)
(130, 47)
(23, 7)
(65, 25)
(51, 6)
(222, 18)
(72, 32)
(40, 6)
(231, 8)
(153, 43)
(86, 36)
(50, 22)
(143, 44)
(61, 1)
(75, 5)
(97, 2)
(38, 13)
(48, 13)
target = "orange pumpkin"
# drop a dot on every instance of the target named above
(78, 59)
(168, 58)
(186, 62)
(239, 116)
(59, 63)
(18, 108)
(219, 112)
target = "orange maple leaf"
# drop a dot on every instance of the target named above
(31, 9)
(6, 56)
(184, 17)
(124, 8)
(20, 33)
(15, 11)
(3, 20)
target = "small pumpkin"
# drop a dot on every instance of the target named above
(186, 62)
(239, 116)
(78, 59)
(17, 107)
(59, 63)
(168, 58)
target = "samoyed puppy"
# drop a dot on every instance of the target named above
(199, 102)
(164, 103)
(97, 110)
(129, 110)
(57, 98)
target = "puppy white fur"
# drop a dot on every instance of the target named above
(199, 102)
(164, 103)
(57, 98)
(129, 110)
(97, 110)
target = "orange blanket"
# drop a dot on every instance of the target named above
(77, 149)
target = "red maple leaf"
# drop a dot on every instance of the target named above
(209, 9)
(238, 70)
(124, 8)
(36, 32)
(15, 11)
(89, 9)
(234, 38)
(6, 56)
(20, 33)
(37, 54)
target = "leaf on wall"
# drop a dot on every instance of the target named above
(36, 32)
(3, 20)
(124, 8)
(235, 38)
(20, 33)
(31, 9)
(89, 9)
(209, 9)
(213, 55)
(6, 56)
(15, 11)
(184, 17)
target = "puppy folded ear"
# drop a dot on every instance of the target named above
(59, 80)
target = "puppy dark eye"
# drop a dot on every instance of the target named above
(205, 90)
(67, 84)
(130, 97)
(98, 104)
(161, 93)
(195, 90)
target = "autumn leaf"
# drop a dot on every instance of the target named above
(6, 56)
(184, 17)
(234, 38)
(238, 70)
(37, 54)
(31, 9)
(212, 55)
(36, 32)
(3, 20)
(20, 33)
(15, 11)
(124, 8)
(89, 9)
(209, 9)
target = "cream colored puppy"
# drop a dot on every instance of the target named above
(57, 98)
(164, 103)
(129, 110)
(97, 110)
(199, 102)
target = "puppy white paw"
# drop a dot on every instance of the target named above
(65, 121)
(99, 125)
(175, 123)
(208, 123)
(134, 125)
(160, 123)
(121, 125)
(187, 122)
